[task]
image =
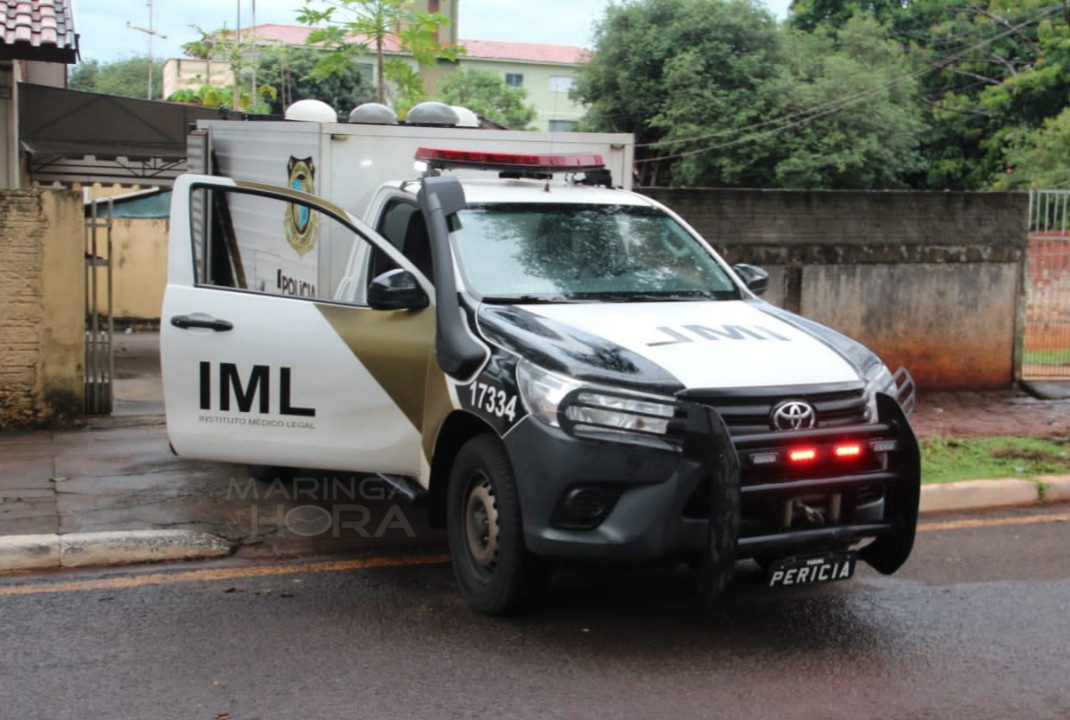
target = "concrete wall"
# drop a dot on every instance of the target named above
(42, 316)
(139, 272)
(932, 281)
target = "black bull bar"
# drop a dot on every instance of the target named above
(726, 460)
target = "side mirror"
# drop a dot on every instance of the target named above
(756, 279)
(396, 290)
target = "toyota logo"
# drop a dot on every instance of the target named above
(793, 415)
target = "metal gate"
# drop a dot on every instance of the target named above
(1046, 347)
(99, 324)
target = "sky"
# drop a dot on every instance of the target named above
(105, 35)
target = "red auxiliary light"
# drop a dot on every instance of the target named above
(801, 455)
(508, 161)
(851, 450)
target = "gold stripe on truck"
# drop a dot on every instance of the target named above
(396, 346)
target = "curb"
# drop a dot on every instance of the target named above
(986, 494)
(124, 547)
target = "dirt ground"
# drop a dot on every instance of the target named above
(989, 414)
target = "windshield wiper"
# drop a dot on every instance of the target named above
(658, 297)
(526, 299)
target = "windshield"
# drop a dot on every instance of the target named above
(577, 252)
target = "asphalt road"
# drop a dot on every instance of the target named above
(977, 625)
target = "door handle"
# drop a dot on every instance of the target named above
(186, 322)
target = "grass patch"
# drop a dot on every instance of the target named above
(946, 460)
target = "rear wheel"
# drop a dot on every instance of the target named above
(496, 572)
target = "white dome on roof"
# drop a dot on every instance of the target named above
(432, 113)
(312, 111)
(465, 117)
(372, 113)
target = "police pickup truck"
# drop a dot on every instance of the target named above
(560, 368)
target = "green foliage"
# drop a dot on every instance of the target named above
(949, 460)
(128, 78)
(669, 70)
(236, 52)
(290, 71)
(809, 15)
(350, 28)
(992, 73)
(215, 96)
(718, 94)
(486, 93)
(852, 120)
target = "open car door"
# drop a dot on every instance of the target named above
(271, 353)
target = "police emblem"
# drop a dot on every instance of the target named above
(301, 223)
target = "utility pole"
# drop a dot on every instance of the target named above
(151, 33)
(235, 66)
(253, 98)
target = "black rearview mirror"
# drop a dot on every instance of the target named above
(396, 290)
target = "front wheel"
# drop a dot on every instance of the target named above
(496, 572)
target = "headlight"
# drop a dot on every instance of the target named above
(591, 410)
(619, 413)
(542, 391)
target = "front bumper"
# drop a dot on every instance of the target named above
(662, 503)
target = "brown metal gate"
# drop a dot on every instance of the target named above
(1046, 348)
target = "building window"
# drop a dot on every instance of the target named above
(560, 83)
(562, 125)
(514, 79)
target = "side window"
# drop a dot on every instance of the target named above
(268, 245)
(514, 79)
(560, 83)
(403, 225)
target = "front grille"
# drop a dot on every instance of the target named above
(747, 411)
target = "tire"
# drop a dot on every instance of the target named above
(496, 572)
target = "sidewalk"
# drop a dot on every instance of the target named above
(118, 476)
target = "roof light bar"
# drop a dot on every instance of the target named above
(578, 162)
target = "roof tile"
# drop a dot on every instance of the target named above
(42, 29)
(480, 49)
(527, 52)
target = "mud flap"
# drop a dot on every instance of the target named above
(888, 552)
(707, 442)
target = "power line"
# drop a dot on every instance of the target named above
(802, 117)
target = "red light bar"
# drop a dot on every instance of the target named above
(851, 450)
(509, 161)
(802, 455)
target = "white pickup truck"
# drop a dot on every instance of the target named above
(563, 368)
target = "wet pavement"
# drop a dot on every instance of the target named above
(974, 626)
(119, 474)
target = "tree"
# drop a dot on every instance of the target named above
(289, 70)
(992, 74)
(685, 76)
(1040, 158)
(128, 78)
(851, 119)
(809, 15)
(486, 93)
(227, 47)
(351, 27)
